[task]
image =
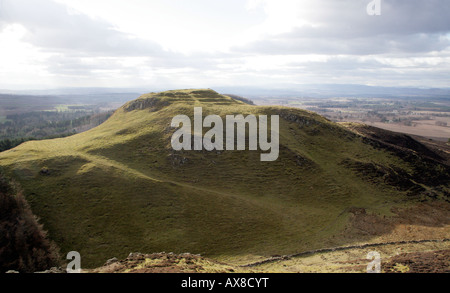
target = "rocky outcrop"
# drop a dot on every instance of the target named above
(152, 103)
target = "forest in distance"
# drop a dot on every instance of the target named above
(36, 117)
(19, 128)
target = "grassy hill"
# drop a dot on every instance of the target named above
(120, 187)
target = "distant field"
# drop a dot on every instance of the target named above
(71, 108)
(11, 104)
(426, 117)
(422, 128)
(3, 119)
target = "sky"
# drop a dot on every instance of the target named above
(216, 43)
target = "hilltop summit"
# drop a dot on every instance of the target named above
(187, 97)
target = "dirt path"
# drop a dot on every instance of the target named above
(341, 248)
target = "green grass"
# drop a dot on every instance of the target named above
(3, 119)
(69, 108)
(115, 189)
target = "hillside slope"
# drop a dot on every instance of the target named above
(120, 187)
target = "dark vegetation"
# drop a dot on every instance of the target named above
(21, 127)
(19, 103)
(45, 116)
(429, 167)
(24, 246)
(242, 99)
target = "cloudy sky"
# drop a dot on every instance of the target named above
(208, 43)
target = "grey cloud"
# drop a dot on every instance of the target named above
(51, 27)
(381, 44)
(404, 26)
(348, 18)
(68, 65)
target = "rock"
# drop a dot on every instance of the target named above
(135, 255)
(152, 103)
(112, 260)
(12, 272)
(53, 270)
(178, 160)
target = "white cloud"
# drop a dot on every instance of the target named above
(21, 63)
(210, 43)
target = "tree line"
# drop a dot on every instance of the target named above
(19, 128)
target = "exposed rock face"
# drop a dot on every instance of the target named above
(111, 261)
(54, 270)
(153, 103)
